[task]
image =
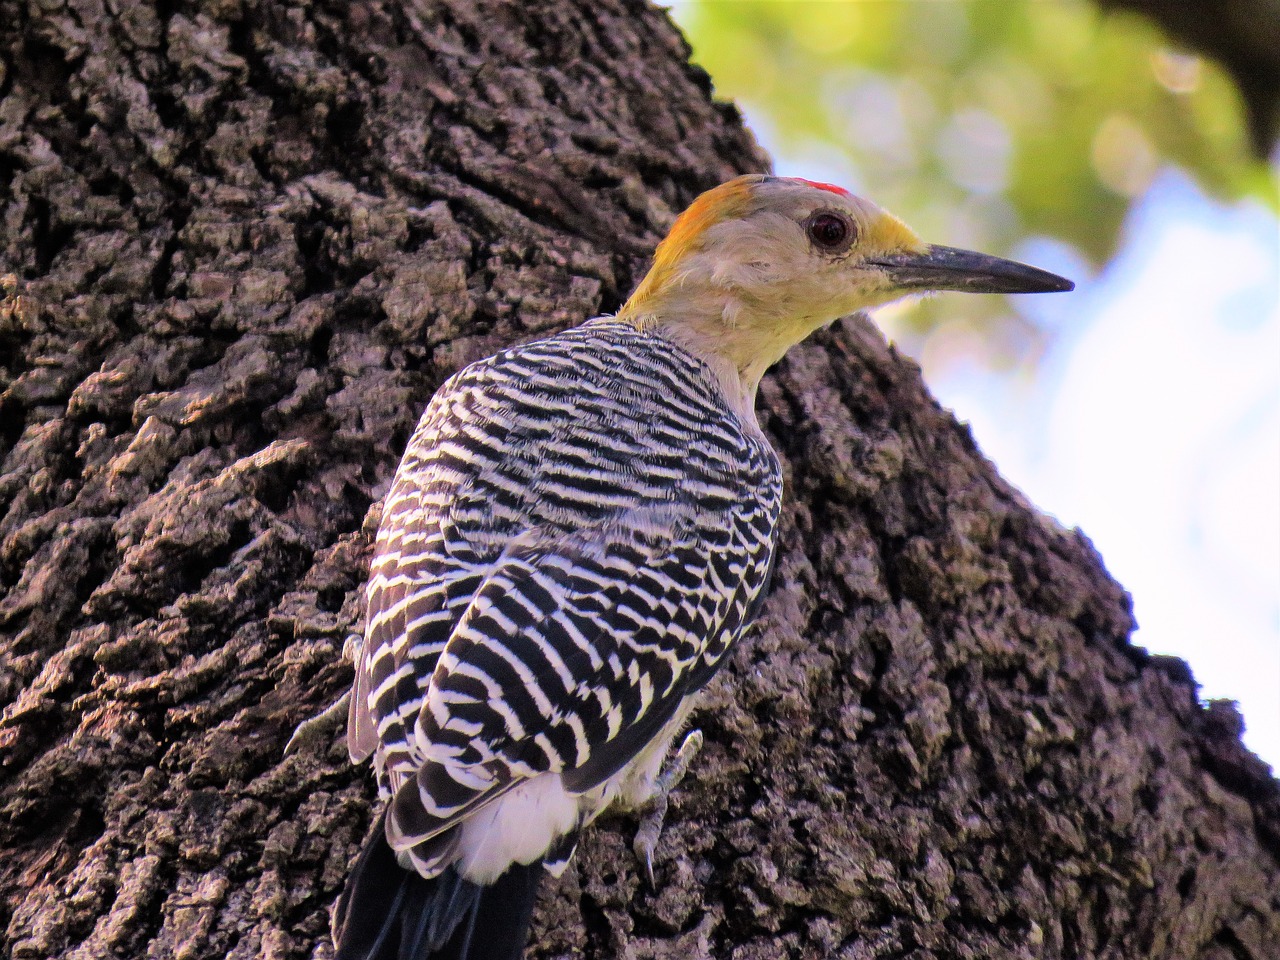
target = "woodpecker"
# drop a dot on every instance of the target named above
(580, 530)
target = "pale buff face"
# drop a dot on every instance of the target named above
(757, 264)
(745, 274)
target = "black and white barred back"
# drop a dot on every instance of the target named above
(578, 533)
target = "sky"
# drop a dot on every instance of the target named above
(1152, 422)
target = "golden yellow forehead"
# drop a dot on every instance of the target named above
(882, 232)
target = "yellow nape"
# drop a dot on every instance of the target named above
(725, 202)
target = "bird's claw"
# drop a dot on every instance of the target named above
(316, 728)
(646, 840)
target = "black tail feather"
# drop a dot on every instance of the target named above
(389, 913)
(499, 925)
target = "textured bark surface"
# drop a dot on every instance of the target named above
(246, 241)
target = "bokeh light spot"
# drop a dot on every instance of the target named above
(1122, 156)
(1177, 72)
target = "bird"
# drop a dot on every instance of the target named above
(581, 529)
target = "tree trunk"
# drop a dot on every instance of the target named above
(247, 240)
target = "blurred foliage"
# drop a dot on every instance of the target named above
(980, 122)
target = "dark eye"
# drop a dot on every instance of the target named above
(832, 232)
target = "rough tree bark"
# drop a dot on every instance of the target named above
(246, 241)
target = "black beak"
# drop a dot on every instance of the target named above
(946, 268)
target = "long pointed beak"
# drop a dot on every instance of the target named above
(946, 268)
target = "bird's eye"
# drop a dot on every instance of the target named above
(830, 232)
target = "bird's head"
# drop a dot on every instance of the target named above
(757, 264)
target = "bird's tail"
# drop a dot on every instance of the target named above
(389, 913)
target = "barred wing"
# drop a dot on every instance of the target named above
(574, 652)
(573, 540)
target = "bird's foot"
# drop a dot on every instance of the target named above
(676, 767)
(319, 727)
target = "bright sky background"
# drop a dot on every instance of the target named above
(1152, 423)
